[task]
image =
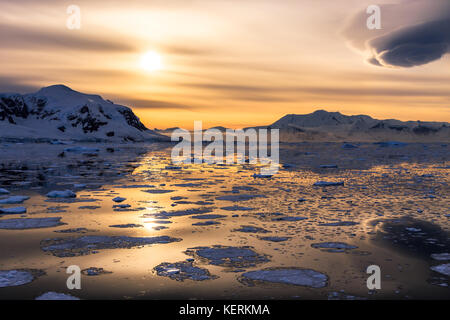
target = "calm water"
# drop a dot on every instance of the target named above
(396, 198)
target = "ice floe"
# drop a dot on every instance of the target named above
(15, 210)
(251, 229)
(70, 247)
(30, 223)
(14, 199)
(93, 271)
(292, 276)
(181, 271)
(119, 199)
(61, 194)
(227, 256)
(333, 246)
(56, 296)
(441, 256)
(442, 269)
(12, 278)
(328, 183)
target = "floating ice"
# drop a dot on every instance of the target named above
(275, 239)
(12, 278)
(237, 208)
(30, 223)
(209, 216)
(328, 183)
(70, 247)
(14, 199)
(289, 218)
(119, 199)
(56, 296)
(251, 229)
(157, 191)
(206, 223)
(81, 149)
(235, 257)
(293, 276)
(93, 271)
(181, 271)
(15, 210)
(441, 256)
(442, 268)
(61, 194)
(338, 224)
(333, 245)
(130, 225)
(240, 197)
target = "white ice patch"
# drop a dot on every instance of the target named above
(442, 268)
(61, 194)
(30, 223)
(441, 256)
(12, 278)
(14, 199)
(298, 277)
(15, 210)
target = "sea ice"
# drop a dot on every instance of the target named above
(293, 276)
(12, 278)
(442, 268)
(61, 194)
(70, 247)
(14, 199)
(56, 296)
(30, 223)
(15, 210)
(183, 270)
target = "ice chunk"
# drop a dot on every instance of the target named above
(15, 210)
(328, 183)
(14, 199)
(181, 271)
(442, 268)
(61, 194)
(119, 199)
(12, 278)
(56, 296)
(441, 256)
(30, 223)
(293, 276)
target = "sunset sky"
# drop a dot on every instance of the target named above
(235, 63)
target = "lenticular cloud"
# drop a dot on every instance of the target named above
(414, 33)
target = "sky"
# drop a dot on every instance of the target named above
(235, 63)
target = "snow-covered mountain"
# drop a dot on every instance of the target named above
(58, 112)
(334, 126)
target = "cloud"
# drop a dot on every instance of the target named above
(414, 33)
(14, 36)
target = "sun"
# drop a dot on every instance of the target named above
(151, 61)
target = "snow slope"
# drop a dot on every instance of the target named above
(58, 112)
(334, 126)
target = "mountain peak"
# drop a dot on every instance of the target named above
(57, 88)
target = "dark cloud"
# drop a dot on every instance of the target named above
(413, 33)
(412, 46)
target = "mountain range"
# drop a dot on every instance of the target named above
(58, 112)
